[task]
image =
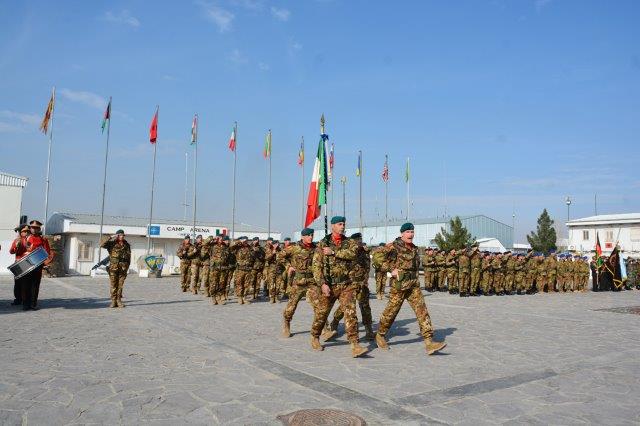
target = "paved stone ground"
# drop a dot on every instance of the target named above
(174, 358)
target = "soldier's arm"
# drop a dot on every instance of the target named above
(349, 252)
(106, 242)
(317, 266)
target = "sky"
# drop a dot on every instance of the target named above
(503, 107)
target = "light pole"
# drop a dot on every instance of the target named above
(568, 202)
(343, 181)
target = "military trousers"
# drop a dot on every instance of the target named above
(116, 281)
(185, 268)
(272, 282)
(204, 278)
(442, 275)
(519, 282)
(242, 282)
(362, 297)
(529, 281)
(486, 281)
(452, 280)
(551, 282)
(475, 280)
(498, 282)
(413, 295)
(227, 288)
(463, 280)
(218, 282)
(381, 281)
(195, 276)
(345, 294)
(509, 282)
(541, 282)
(429, 279)
(256, 278)
(299, 289)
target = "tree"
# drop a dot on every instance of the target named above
(458, 238)
(544, 239)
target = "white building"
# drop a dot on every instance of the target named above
(623, 229)
(81, 233)
(11, 188)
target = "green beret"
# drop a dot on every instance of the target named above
(225, 238)
(356, 236)
(287, 239)
(338, 219)
(406, 227)
(242, 238)
(306, 232)
(120, 231)
(381, 244)
(270, 239)
(256, 239)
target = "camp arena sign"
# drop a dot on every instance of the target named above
(181, 231)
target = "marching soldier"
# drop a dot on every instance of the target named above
(509, 273)
(332, 264)
(185, 263)
(218, 270)
(551, 265)
(271, 253)
(531, 270)
(244, 268)
(430, 269)
(541, 275)
(300, 258)
(464, 271)
(519, 274)
(486, 280)
(441, 261)
(404, 263)
(119, 261)
(451, 265)
(360, 276)
(194, 257)
(476, 270)
(497, 274)
(281, 272)
(205, 256)
(258, 266)
(380, 270)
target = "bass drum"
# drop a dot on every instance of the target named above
(28, 263)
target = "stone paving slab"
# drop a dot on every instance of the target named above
(174, 358)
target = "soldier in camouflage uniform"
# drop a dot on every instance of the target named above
(560, 273)
(404, 263)
(380, 270)
(282, 277)
(300, 257)
(541, 274)
(476, 270)
(531, 269)
(551, 265)
(360, 276)
(231, 268)
(486, 280)
(464, 272)
(185, 263)
(497, 272)
(509, 273)
(451, 265)
(218, 270)
(332, 265)
(119, 261)
(205, 253)
(194, 257)
(258, 266)
(430, 269)
(441, 261)
(271, 253)
(244, 268)
(519, 274)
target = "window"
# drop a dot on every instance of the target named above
(635, 234)
(608, 236)
(585, 235)
(85, 251)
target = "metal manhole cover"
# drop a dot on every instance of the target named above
(635, 310)
(321, 417)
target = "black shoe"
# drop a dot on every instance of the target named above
(16, 302)
(25, 308)
(35, 308)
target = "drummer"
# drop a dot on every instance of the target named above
(31, 283)
(19, 248)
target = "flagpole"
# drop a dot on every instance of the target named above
(408, 188)
(195, 175)
(360, 183)
(269, 210)
(46, 193)
(153, 181)
(386, 200)
(302, 166)
(186, 183)
(104, 181)
(233, 201)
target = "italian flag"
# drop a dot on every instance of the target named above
(318, 187)
(232, 139)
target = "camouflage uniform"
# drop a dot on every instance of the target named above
(430, 271)
(476, 271)
(205, 252)
(406, 286)
(119, 261)
(442, 272)
(244, 268)
(258, 266)
(218, 271)
(185, 266)
(552, 271)
(486, 281)
(541, 276)
(271, 266)
(510, 273)
(334, 270)
(464, 270)
(531, 269)
(282, 279)
(194, 257)
(451, 264)
(380, 271)
(231, 271)
(300, 257)
(519, 274)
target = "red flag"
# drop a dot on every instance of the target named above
(153, 131)
(232, 140)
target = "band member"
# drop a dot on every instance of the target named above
(31, 283)
(119, 260)
(19, 248)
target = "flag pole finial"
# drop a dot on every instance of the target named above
(322, 124)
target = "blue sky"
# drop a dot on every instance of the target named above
(509, 104)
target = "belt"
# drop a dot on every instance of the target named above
(407, 275)
(244, 268)
(340, 281)
(304, 274)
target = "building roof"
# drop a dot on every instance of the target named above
(427, 221)
(606, 219)
(7, 179)
(94, 219)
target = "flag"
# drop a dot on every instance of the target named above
(107, 116)
(318, 186)
(331, 159)
(406, 172)
(301, 154)
(48, 114)
(153, 130)
(385, 170)
(194, 130)
(232, 139)
(359, 167)
(266, 152)
(598, 256)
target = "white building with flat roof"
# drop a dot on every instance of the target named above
(623, 229)
(11, 187)
(81, 234)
